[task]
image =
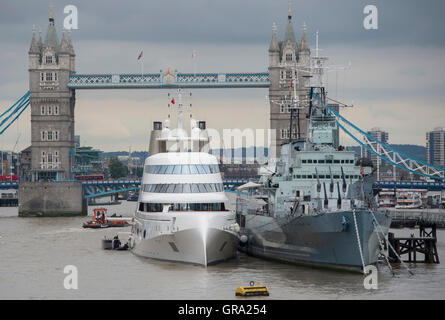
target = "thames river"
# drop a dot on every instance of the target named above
(34, 252)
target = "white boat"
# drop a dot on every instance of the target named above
(409, 199)
(181, 213)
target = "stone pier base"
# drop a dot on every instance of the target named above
(51, 199)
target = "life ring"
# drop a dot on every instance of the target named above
(252, 283)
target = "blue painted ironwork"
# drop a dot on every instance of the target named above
(169, 81)
(16, 109)
(386, 152)
(406, 184)
(94, 189)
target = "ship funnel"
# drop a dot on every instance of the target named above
(156, 145)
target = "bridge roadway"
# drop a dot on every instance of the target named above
(93, 189)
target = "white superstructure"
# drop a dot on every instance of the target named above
(181, 213)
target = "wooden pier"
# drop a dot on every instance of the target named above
(417, 249)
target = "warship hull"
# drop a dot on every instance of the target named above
(324, 240)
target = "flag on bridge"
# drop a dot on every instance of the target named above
(140, 54)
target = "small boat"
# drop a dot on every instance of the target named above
(95, 224)
(252, 290)
(100, 220)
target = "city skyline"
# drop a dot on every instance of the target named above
(389, 81)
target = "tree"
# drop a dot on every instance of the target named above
(117, 169)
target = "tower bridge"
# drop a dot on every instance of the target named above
(53, 82)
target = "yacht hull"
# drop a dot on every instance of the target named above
(190, 246)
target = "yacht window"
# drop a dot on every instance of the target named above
(206, 169)
(158, 188)
(321, 176)
(170, 188)
(162, 169)
(336, 176)
(303, 161)
(169, 169)
(328, 161)
(213, 187)
(187, 188)
(328, 176)
(185, 169)
(193, 169)
(309, 161)
(178, 188)
(303, 176)
(201, 169)
(195, 188)
(177, 169)
(342, 161)
(298, 176)
(309, 176)
(201, 188)
(163, 188)
(336, 161)
(321, 161)
(315, 161)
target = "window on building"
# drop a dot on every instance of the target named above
(49, 59)
(56, 135)
(55, 76)
(50, 136)
(42, 110)
(289, 74)
(284, 133)
(42, 76)
(289, 56)
(56, 110)
(49, 110)
(49, 76)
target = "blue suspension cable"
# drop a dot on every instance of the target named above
(384, 158)
(382, 143)
(18, 101)
(14, 111)
(376, 140)
(24, 108)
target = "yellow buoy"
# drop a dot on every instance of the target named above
(252, 290)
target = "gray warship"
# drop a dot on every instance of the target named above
(314, 205)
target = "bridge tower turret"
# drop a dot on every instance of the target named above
(287, 59)
(52, 105)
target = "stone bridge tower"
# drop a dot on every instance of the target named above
(52, 105)
(286, 59)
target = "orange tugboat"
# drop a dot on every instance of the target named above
(100, 220)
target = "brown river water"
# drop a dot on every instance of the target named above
(34, 252)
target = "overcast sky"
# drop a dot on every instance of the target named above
(395, 80)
